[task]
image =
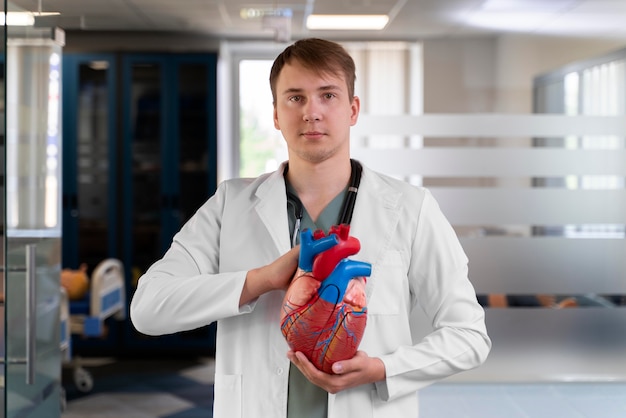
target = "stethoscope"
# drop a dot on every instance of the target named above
(347, 208)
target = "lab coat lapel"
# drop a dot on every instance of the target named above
(271, 206)
(375, 220)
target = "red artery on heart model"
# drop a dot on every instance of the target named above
(324, 312)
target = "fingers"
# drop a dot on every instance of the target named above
(304, 364)
(355, 364)
(338, 367)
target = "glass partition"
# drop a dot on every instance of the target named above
(3, 9)
(484, 171)
(32, 223)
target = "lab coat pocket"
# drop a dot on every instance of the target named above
(227, 401)
(406, 406)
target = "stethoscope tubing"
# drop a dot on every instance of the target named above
(347, 208)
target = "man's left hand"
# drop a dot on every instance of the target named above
(359, 370)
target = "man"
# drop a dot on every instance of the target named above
(232, 262)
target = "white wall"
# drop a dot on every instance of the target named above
(495, 74)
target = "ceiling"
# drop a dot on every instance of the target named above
(410, 19)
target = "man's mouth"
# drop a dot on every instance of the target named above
(312, 134)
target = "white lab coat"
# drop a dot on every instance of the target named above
(417, 263)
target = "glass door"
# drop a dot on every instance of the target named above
(32, 224)
(3, 9)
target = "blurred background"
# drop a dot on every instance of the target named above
(123, 116)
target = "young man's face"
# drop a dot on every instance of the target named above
(314, 113)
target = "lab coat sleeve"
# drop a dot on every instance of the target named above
(184, 290)
(438, 276)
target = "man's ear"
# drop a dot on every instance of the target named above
(356, 108)
(276, 125)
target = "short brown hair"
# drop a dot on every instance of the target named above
(318, 55)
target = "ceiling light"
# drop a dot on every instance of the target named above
(44, 14)
(17, 19)
(346, 22)
(250, 13)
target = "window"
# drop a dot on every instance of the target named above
(261, 148)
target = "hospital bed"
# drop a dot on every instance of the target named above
(106, 298)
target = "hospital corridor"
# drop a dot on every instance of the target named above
(158, 158)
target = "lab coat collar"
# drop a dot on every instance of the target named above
(376, 207)
(271, 206)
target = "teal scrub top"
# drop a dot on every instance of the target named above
(306, 400)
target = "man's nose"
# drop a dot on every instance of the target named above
(312, 112)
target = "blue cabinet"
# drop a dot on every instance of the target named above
(142, 159)
(90, 159)
(90, 174)
(169, 162)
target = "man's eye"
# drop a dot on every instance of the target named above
(329, 95)
(295, 98)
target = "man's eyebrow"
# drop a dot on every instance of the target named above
(329, 87)
(292, 90)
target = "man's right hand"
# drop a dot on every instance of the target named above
(274, 276)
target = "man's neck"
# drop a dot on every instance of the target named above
(317, 184)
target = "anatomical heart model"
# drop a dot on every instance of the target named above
(324, 311)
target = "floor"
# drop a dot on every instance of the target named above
(183, 389)
(150, 388)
